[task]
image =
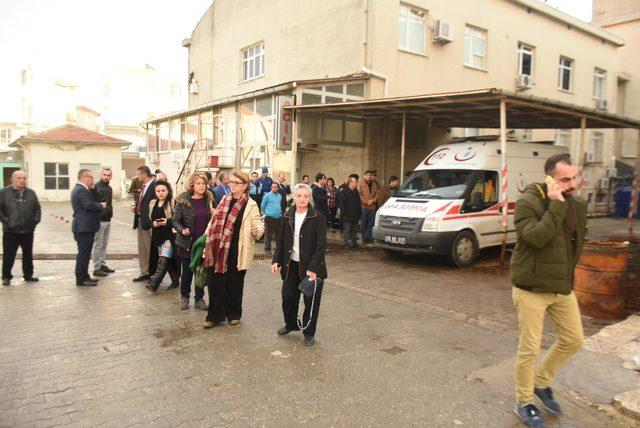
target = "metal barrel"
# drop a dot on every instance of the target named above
(631, 279)
(599, 279)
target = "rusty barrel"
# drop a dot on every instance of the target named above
(631, 279)
(598, 282)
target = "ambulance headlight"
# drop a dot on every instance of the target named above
(430, 224)
(376, 222)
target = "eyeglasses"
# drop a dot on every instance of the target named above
(238, 182)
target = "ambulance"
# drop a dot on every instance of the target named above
(450, 204)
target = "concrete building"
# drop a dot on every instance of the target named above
(247, 59)
(53, 158)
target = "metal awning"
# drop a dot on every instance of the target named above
(475, 109)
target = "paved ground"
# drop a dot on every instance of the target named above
(400, 342)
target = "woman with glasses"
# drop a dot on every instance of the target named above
(190, 219)
(234, 228)
(299, 254)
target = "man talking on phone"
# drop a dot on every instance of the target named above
(551, 224)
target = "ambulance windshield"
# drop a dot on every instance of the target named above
(436, 184)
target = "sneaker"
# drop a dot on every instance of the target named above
(107, 269)
(546, 396)
(201, 304)
(31, 279)
(309, 341)
(141, 278)
(99, 272)
(208, 324)
(6, 281)
(151, 287)
(234, 322)
(530, 415)
(184, 303)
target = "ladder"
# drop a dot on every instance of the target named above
(196, 159)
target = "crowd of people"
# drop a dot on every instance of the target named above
(206, 237)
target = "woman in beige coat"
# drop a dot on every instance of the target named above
(231, 236)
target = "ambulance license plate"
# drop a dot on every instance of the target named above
(397, 240)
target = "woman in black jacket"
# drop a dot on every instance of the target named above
(192, 214)
(299, 253)
(163, 236)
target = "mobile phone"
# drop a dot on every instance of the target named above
(549, 180)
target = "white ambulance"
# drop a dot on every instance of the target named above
(450, 204)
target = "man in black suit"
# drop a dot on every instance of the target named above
(86, 222)
(147, 258)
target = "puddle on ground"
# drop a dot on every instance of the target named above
(169, 336)
(394, 350)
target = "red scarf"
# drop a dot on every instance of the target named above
(221, 232)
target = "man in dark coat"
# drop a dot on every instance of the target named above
(103, 193)
(20, 214)
(147, 256)
(320, 195)
(86, 222)
(350, 209)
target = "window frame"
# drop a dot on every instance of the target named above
(561, 68)
(473, 29)
(412, 13)
(599, 74)
(57, 176)
(249, 59)
(524, 48)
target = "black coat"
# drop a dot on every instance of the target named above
(104, 193)
(86, 210)
(313, 243)
(142, 220)
(320, 199)
(184, 218)
(349, 203)
(19, 217)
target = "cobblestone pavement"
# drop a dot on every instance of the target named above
(399, 342)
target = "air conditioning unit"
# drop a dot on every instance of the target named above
(589, 157)
(604, 184)
(612, 172)
(602, 104)
(152, 157)
(443, 32)
(178, 156)
(525, 81)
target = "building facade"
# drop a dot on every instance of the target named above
(246, 57)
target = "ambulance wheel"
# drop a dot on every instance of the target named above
(392, 253)
(464, 249)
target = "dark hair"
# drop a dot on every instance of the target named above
(83, 172)
(145, 170)
(208, 174)
(392, 178)
(320, 176)
(168, 186)
(370, 171)
(333, 182)
(554, 160)
(276, 183)
(356, 176)
(305, 176)
(158, 170)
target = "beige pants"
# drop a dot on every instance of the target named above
(565, 314)
(144, 247)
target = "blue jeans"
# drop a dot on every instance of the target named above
(367, 218)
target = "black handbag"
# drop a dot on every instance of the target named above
(308, 286)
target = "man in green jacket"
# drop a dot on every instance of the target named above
(551, 225)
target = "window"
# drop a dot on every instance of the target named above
(597, 141)
(525, 59)
(475, 47)
(5, 137)
(174, 134)
(484, 189)
(565, 74)
(253, 62)
(189, 131)
(336, 93)
(163, 134)
(628, 148)
(152, 138)
(599, 80)
(56, 176)
(563, 137)
(411, 29)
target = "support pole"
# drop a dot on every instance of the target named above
(402, 149)
(583, 132)
(504, 204)
(634, 189)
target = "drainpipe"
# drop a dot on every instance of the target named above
(379, 76)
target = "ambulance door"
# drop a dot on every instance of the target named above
(481, 205)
